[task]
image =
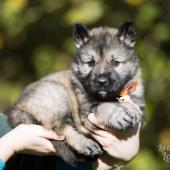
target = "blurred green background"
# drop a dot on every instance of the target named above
(36, 39)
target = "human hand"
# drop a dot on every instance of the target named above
(123, 146)
(32, 139)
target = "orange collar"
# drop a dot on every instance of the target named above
(131, 87)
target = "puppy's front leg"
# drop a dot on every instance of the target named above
(80, 143)
(118, 115)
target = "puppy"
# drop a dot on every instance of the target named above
(104, 64)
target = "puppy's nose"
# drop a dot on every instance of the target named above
(102, 81)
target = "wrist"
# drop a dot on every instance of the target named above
(107, 162)
(6, 147)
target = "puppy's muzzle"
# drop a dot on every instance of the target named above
(102, 81)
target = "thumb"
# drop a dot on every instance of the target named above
(49, 134)
(92, 118)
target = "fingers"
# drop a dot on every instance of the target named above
(105, 142)
(103, 137)
(100, 135)
(38, 130)
(49, 134)
(104, 134)
(41, 147)
(35, 139)
(99, 139)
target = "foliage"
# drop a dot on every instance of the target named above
(36, 39)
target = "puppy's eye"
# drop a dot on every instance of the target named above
(115, 63)
(91, 63)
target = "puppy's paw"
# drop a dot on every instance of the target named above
(125, 119)
(92, 148)
(89, 147)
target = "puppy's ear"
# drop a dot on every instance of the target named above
(127, 34)
(80, 35)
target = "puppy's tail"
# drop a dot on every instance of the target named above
(64, 152)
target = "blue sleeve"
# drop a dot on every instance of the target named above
(2, 165)
(4, 126)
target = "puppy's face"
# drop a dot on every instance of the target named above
(105, 60)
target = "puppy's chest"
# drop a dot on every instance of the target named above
(85, 107)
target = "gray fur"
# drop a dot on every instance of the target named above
(104, 63)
